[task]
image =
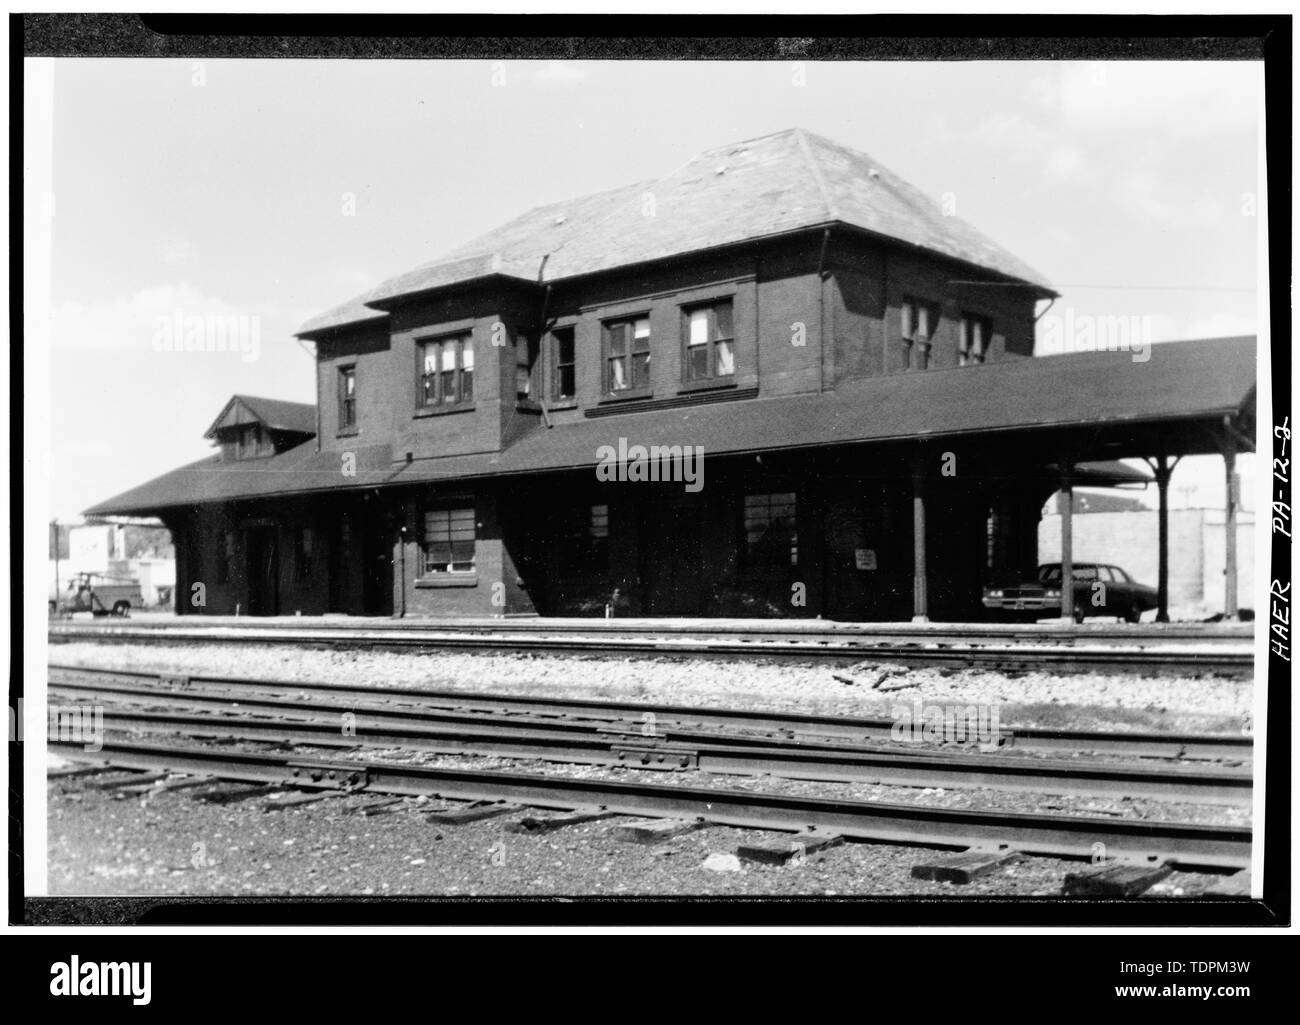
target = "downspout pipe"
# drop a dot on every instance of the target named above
(541, 338)
(821, 309)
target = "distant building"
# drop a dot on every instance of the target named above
(132, 551)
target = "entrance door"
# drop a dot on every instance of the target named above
(377, 571)
(672, 566)
(263, 572)
(340, 561)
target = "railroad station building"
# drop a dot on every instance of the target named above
(778, 381)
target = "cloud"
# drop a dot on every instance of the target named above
(1178, 98)
(353, 280)
(131, 323)
(1066, 163)
(1036, 147)
(176, 253)
(1221, 325)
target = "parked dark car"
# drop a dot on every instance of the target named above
(1099, 590)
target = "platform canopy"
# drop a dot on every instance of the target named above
(1096, 406)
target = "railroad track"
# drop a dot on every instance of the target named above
(942, 633)
(652, 737)
(1137, 842)
(641, 715)
(1060, 649)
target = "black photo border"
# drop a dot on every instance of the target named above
(681, 37)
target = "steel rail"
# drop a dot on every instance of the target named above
(1091, 633)
(467, 707)
(1187, 844)
(918, 651)
(1179, 783)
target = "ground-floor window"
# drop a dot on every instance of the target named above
(771, 537)
(226, 557)
(304, 543)
(585, 547)
(449, 534)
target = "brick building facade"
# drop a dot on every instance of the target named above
(855, 368)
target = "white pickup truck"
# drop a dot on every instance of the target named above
(98, 594)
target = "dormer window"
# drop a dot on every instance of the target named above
(252, 441)
(919, 320)
(976, 336)
(251, 428)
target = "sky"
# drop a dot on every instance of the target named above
(274, 190)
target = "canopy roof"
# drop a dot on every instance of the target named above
(1111, 405)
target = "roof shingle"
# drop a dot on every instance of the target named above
(784, 182)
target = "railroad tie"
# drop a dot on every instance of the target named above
(476, 812)
(134, 780)
(966, 866)
(137, 788)
(384, 807)
(294, 800)
(185, 782)
(786, 849)
(1115, 880)
(655, 830)
(1235, 885)
(82, 770)
(530, 824)
(231, 795)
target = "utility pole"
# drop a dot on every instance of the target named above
(54, 525)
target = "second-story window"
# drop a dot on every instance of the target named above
(710, 342)
(447, 371)
(976, 334)
(564, 385)
(627, 355)
(919, 319)
(347, 398)
(525, 367)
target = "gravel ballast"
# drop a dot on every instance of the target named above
(171, 843)
(1081, 701)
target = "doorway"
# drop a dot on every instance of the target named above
(672, 566)
(377, 571)
(263, 571)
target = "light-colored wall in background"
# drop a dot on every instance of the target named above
(1130, 540)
